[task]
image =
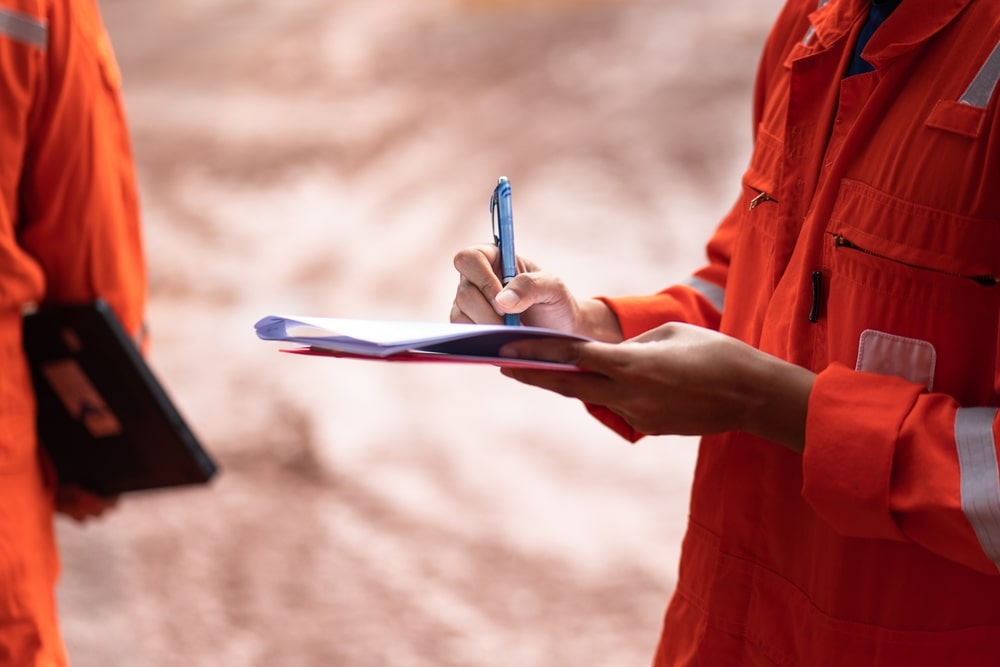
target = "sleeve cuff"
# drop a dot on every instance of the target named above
(614, 422)
(852, 427)
(680, 303)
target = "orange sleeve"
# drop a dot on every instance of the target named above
(79, 211)
(699, 301)
(22, 64)
(885, 459)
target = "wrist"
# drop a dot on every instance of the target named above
(599, 322)
(778, 401)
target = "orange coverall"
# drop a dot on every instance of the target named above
(69, 231)
(865, 245)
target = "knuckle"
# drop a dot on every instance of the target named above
(461, 261)
(464, 300)
(471, 260)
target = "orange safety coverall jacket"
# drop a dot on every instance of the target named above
(69, 231)
(865, 245)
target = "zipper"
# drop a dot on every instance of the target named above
(760, 199)
(985, 280)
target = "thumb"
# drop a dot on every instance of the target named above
(532, 288)
(602, 358)
(589, 355)
(508, 300)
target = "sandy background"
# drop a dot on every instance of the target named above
(328, 158)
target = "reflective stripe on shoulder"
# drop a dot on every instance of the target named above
(24, 28)
(981, 89)
(980, 476)
(715, 294)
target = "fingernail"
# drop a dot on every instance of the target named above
(508, 298)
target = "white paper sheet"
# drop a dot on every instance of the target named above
(421, 341)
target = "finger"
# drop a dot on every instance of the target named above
(458, 316)
(532, 288)
(477, 266)
(611, 359)
(603, 358)
(79, 504)
(544, 349)
(479, 285)
(590, 385)
(471, 305)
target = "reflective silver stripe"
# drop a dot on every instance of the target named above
(977, 460)
(812, 31)
(24, 28)
(715, 294)
(981, 89)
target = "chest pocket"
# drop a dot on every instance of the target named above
(912, 272)
(966, 115)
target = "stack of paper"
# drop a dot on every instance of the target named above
(405, 341)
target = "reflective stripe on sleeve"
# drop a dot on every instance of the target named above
(981, 89)
(715, 294)
(977, 460)
(23, 28)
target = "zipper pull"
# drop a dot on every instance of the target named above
(817, 294)
(762, 197)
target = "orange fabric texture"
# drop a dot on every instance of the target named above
(883, 214)
(69, 232)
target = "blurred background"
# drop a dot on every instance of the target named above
(328, 157)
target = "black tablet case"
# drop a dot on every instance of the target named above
(105, 420)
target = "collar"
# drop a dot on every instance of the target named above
(911, 24)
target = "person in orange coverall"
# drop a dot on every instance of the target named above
(839, 353)
(69, 232)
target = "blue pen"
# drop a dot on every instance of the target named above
(503, 236)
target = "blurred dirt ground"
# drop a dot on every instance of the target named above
(328, 158)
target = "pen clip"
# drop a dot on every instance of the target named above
(493, 216)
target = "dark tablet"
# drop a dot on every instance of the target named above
(107, 423)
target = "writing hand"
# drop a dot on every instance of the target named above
(541, 297)
(679, 379)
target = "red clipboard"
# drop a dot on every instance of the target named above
(437, 357)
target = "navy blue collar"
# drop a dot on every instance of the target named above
(878, 13)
